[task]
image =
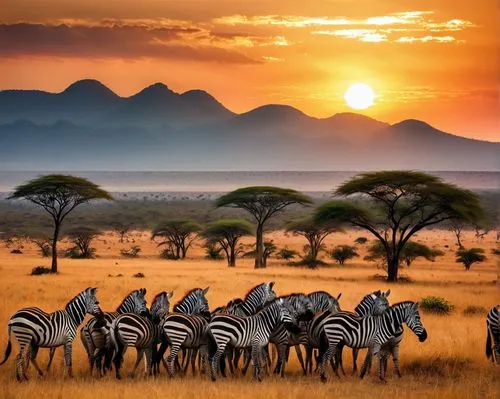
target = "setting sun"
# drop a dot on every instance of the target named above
(359, 96)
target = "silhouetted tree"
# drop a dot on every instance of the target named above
(262, 202)
(470, 256)
(179, 234)
(227, 234)
(341, 253)
(82, 238)
(411, 251)
(59, 195)
(398, 204)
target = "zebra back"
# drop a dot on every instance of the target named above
(322, 301)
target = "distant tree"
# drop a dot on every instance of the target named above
(342, 253)
(398, 204)
(315, 233)
(411, 251)
(361, 240)
(227, 234)
(269, 249)
(81, 237)
(13, 238)
(470, 256)
(262, 202)
(122, 229)
(179, 235)
(132, 252)
(58, 195)
(42, 239)
(457, 227)
(212, 250)
(286, 254)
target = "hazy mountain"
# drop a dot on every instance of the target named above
(87, 126)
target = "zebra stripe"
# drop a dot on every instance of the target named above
(34, 328)
(142, 332)
(94, 334)
(493, 334)
(246, 332)
(366, 332)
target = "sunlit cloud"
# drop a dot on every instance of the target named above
(285, 20)
(426, 39)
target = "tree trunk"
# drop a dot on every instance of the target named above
(259, 247)
(53, 268)
(392, 268)
(232, 258)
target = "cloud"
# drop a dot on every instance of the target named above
(117, 39)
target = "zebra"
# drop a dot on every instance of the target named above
(94, 338)
(185, 328)
(130, 329)
(34, 328)
(246, 332)
(493, 334)
(362, 332)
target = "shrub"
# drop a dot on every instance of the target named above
(361, 240)
(139, 275)
(286, 254)
(342, 253)
(75, 253)
(473, 310)
(132, 252)
(213, 251)
(168, 254)
(39, 270)
(495, 251)
(436, 304)
(16, 251)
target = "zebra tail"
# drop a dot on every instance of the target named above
(115, 341)
(489, 351)
(8, 351)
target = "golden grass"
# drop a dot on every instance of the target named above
(450, 364)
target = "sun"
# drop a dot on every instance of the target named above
(359, 96)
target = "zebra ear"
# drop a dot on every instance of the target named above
(170, 294)
(388, 292)
(92, 291)
(338, 296)
(204, 292)
(270, 284)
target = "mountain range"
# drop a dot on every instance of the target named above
(89, 127)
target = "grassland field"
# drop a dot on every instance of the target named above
(450, 364)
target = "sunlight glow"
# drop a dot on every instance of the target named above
(359, 96)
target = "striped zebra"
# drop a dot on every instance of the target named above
(246, 332)
(371, 304)
(493, 334)
(34, 328)
(130, 329)
(366, 332)
(94, 337)
(185, 328)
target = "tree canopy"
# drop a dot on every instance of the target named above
(394, 205)
(58, 195)
(179, 234)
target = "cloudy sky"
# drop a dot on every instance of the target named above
(435, 60)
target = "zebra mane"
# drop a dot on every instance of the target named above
(127, 297)
(252, 290)
(157, 296)
(402, 303)
(186, 295)
(80, 294)
(320, 292)
(294, 294)
(234, 302)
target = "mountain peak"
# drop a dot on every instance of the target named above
(413, 124)
(156, 91)
(88, 87)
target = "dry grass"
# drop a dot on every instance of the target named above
(450, 364)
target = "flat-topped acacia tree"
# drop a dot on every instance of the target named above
(394, 205)
(262, 202)
(58, 195)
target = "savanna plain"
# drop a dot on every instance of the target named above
(450, 364)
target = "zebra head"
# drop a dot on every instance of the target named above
(160, 306)
(300, 306)
(287, 316)
(194, 302)
(322, 301)
(91, 303)
(373, 304)
(411, 317)
(135, 302)
(269, 294)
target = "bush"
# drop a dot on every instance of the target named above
(495, 251)
(75, 253)
(132, 252)
(473, 310)
(361, 240)
(343, 253)
(168, 254)
(39, 270)
(139, 275)
(213, 251)
(437, 305)
(16, 251)
(286, 254)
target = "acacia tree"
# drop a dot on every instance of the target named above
(42, 239)
(82, 238)
(341, 253)
(179, 234)
(411, 251)
(262, 202)
(58, 195)
(470, 256)
(314, 233)
(227, 234)
(398, 204)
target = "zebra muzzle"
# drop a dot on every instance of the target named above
(423, 336)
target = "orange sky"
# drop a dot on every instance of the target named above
(435, 60)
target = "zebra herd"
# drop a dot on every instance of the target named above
(244, 327)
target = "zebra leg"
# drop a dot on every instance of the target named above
(338, 360)
(52, 352)
(324, 358)
(246, 362)
(256, 360)
(34, 353)
(174, 351)
(203, 359)
(367, 364)
(193, 360)
(355, 352)
(216, 359)
(149, 361)
(298, 351)
(118, 359)
(395, 360)
(68, 351)
(89, 349)
(309, 356)
(22, 361)
(140, 354)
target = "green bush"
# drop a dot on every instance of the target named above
(286, 254)
(39, 270)
(213, 251)
(436, 304)
(342, 253)
(473, 310)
